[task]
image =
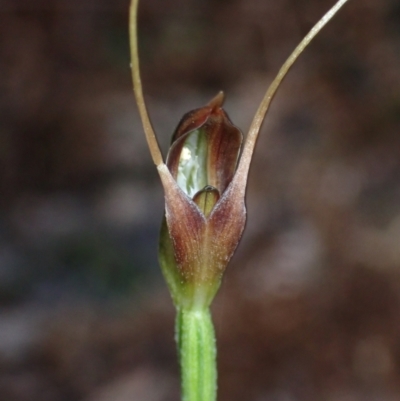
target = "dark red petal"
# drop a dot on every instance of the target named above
(224, 142)
(185, 225)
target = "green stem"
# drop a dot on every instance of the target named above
(195, 338)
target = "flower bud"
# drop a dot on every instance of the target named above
(205, 212)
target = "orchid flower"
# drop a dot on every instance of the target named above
(204, 180)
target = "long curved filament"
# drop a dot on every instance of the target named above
(137, 87)
(259, 117)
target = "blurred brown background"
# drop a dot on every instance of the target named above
(309, 308)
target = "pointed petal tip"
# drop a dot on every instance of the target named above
(217, 101)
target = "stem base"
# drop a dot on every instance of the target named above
(195, 339)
